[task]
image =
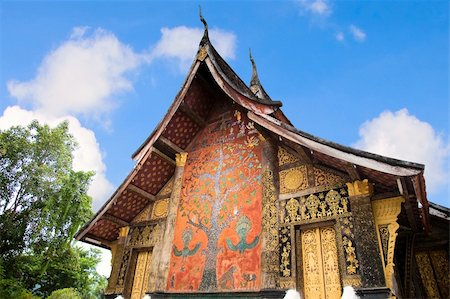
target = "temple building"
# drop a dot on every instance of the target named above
(228, 199)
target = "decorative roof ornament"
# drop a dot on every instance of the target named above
(255, 79)
(205, 38)
(255, 84)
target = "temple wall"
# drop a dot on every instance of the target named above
(218, 228)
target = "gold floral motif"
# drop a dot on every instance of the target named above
(292, 207)
(123, 269)
(160, 208)
(123, 231)
(270, 259)
(426, 273)
(284, 157)
(318, 205)
(285, 255)
(349, 248)
(138, 289)
(350, 256)
(144, 236)
(326, 178)
(293, 180)
(312, 203)
(333, 199)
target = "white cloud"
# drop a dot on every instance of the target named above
(401, 135)
(340, 36)
(80, 76)
(104, 267)
(181, 43)
(86, 157)
(357, 33)
(315, 7)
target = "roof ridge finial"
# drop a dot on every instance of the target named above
(255, 78)
(205, 34)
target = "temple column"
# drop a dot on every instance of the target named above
(367, 249)
(116, 260)
(270, 255)
(167, 240)
(385, 212)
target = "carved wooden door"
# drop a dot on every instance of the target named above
(141, 273)
(320, 263)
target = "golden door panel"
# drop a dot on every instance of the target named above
(141, 274)
(320, 263)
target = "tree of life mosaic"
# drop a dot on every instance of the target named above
(217, 243)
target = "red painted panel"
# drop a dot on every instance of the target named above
(217, 244)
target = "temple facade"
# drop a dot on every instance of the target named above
(228, 199)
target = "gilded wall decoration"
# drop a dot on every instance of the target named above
(351, 260)
(160, 209)
(221, 203)
(293, 180)
(123, 270)
(320, 263)
(328, 204)
(144, 236)
(385, 212)
(167, 189)
(284, 157)
(439, 259)
(326, 178)
(144, 215)
(139, 282)
(426, 273)
(270, 215)
(285, 252)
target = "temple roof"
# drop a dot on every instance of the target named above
(210, 78)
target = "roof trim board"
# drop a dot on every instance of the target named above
(349, 155)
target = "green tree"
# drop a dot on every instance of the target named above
(43, 202)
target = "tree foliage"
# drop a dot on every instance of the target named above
(43, 202)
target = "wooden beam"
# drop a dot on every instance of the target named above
(141, 192)
(170, 144)
(353, 172)
(164, 156)
(403, 189)
(97, 241)
(192, 115)
(115, 220)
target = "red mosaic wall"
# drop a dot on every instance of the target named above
(217, 245)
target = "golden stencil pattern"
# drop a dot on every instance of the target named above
(144, 215)
(320, 263)
(138, 289)
(319, 205)
(293, 180)
(426, 273)
(384, 236)
(352, 263)
(439, 259)
(123, 269)
(167, 189)
(285, 254)
(326, 178)
(284, 157)
(312, 265)
(144, 236)
(160, 209)
(330, 263)
(270, 260)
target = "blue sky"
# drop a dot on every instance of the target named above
(370, 74)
